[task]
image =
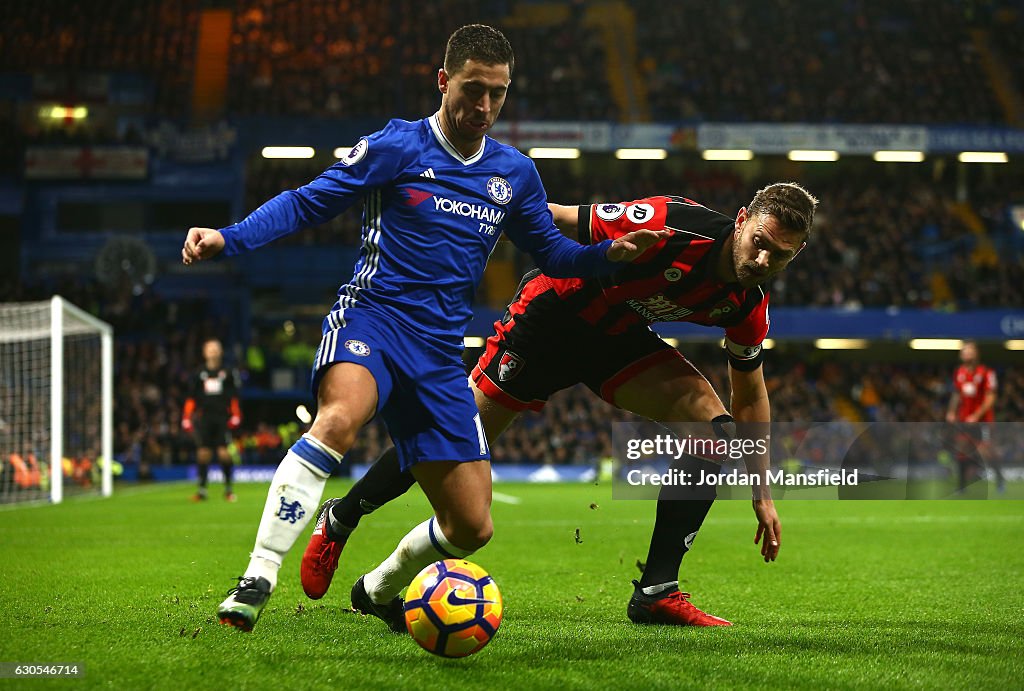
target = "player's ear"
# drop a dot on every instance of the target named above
(442, 81)
(741, 218)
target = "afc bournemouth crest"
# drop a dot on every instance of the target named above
(725, 307)
(509, 366)
(500, 190)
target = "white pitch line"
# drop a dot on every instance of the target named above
(505, 498)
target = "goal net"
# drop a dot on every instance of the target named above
(56, 402)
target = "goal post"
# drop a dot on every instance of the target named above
(56, 402)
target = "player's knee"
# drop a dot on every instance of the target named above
(469, 533)
(485, 532)
(336, 427)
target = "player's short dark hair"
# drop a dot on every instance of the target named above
(478, 42)
(791, 204)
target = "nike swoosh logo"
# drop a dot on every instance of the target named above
(454, 599)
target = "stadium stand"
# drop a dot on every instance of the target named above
(158, 345)
(926, 237)
(74, 48)
(787, 62)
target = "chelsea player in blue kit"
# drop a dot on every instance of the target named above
(437, 193)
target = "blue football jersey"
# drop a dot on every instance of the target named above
(431, 218)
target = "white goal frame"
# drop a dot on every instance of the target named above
(81, 322)
(58, 306)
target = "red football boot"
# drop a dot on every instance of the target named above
(320, 560)
(672, 608)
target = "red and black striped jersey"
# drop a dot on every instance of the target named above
(674, 280)
(974, 384)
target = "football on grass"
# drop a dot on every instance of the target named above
(453, 608)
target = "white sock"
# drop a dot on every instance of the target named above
(423, 545)
(291, 503)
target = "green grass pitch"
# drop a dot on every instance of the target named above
(864, 594)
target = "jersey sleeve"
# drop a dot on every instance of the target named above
(743, 342)
(532, 229)
(991, 381)
(598, 222)
(374, 161)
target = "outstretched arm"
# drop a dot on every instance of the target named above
(751, 409)
(371, 163)
(624, 248)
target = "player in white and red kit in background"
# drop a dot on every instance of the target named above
(973, 406)
(211, 410)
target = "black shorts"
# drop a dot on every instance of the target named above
(541, 347)
(212, 433)
(971, 441)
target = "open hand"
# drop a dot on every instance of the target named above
(628, 247)
(768, 527)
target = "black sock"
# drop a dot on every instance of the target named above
(680, 513)
(965, 470)
(228, 468)
(204, 472)
(384, 481)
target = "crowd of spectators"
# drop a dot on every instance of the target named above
(265, 178)
(351, 59)
(71, 48)
(858, 61)
(158, 348)
(1007, 21)
(561, 73)
(576, 426)
(881, 238)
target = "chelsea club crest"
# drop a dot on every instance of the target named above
(500, 190)
(357, 348)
